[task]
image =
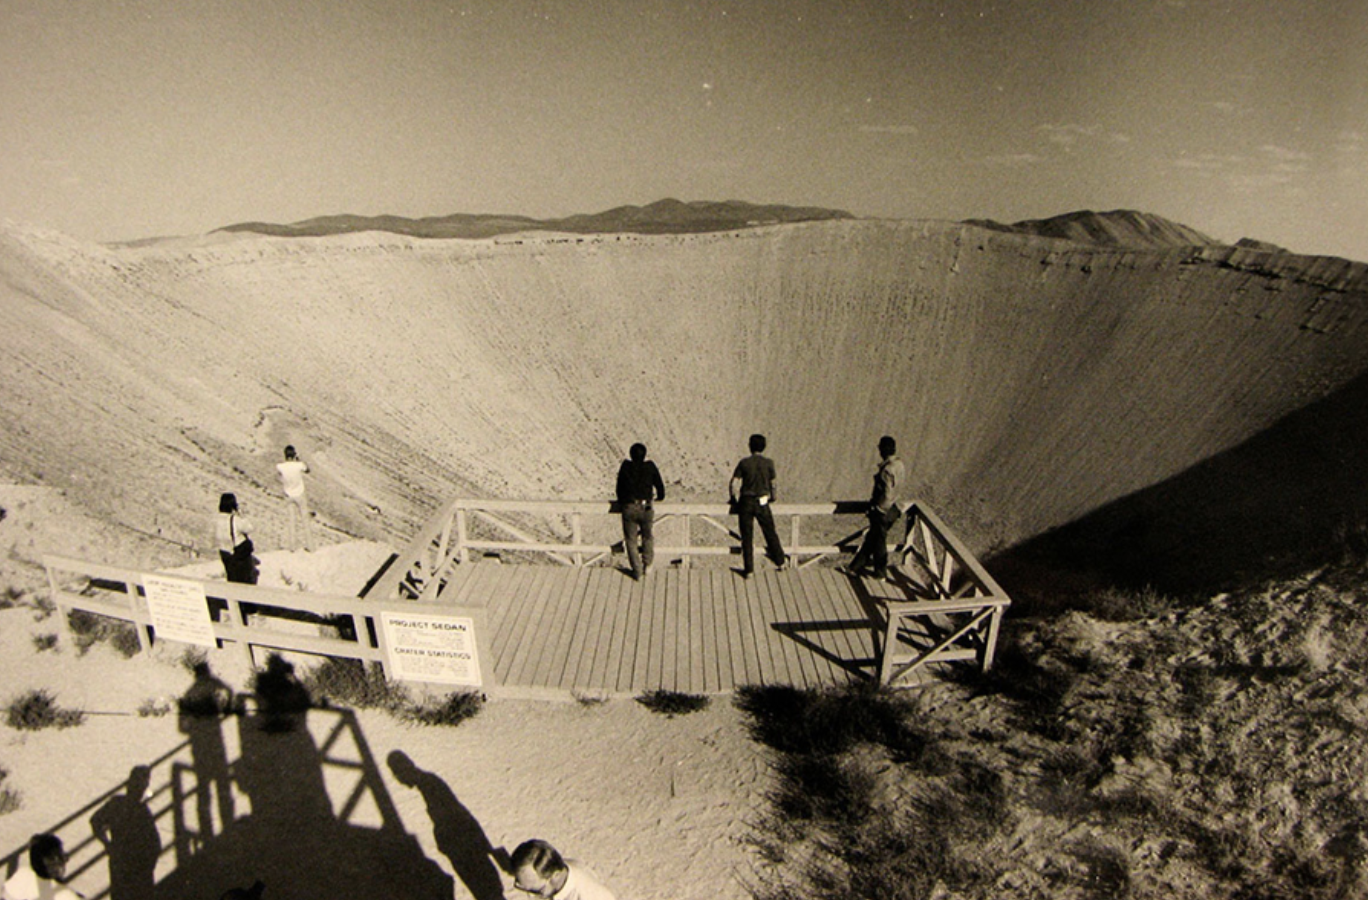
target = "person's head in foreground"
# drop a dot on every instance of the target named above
(290, 452)
(756, 443)
(47, 857)
(887, 446)
(228, 503)
(538, 868)
(637, 452)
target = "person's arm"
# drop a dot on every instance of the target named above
(658, 482)
(621, 489)
(734, 488)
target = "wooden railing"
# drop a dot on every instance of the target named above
(244, 616)
(956, 608)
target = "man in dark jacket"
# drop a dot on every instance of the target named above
(638, 486)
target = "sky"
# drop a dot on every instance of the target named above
(127, 119)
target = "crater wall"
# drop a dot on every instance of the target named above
(1029, 381)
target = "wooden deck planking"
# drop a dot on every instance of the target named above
(676, 625)
(696, 630)
(603, 631)
(626, 639)
(527, 639)
(507, 591)
(825, 608)
(561, 618)
(816, 669)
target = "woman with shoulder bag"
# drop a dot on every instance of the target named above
(232, 533)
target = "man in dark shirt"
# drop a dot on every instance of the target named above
(752, 491)
(638, 484)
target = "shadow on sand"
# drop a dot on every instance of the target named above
(1273, 507)
(321, 822)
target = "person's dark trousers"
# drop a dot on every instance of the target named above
(637, 520)
(874, 550)
(748, 512)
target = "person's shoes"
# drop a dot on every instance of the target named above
(848, 570)
(782, 564)
(744, 573)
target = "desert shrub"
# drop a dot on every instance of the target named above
(672, 703)
(44, 607)
(823, 788)
(10, 597)
(350, 682)
(44, 642)
(825, 722)
(1117, 604)
(154, 708)
(37, 709)
(9, 797)
(453, 709)
(588, 701)
(192, 658)
(90, 629)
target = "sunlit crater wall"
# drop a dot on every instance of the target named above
(1027, 380)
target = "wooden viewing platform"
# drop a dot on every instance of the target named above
(579, 625)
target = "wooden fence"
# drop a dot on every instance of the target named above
(245, 616)
(959, 617)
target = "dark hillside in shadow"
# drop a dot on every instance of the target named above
(1281, 503)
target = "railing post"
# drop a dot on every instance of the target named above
(462, 554)
(795, 531)
(688, 540)
(144, 630)
(576, 535)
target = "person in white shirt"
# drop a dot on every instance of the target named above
(43, 878)
(540, 870)
(292, 472)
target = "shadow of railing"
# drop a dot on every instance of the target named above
(310, 815)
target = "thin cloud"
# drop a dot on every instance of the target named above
(1208, 162)
(1013, 160)
(1283, 154)
(1071, 135)
(888, 129)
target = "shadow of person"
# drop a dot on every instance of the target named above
(282, 699)
(128, 831)
(458, 835)
(202, 709)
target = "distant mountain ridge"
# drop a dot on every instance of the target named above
(667, 216)
(1117, 228)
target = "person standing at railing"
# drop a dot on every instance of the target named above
(638, 486)
(292, 472)
(883, 512)
(233, 534)
(752, 492)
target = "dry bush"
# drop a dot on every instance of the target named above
(44, 642)
(350, 682)
(451, 710)
(9, 797)
(37, 709)
(91, 629)
(672, 703)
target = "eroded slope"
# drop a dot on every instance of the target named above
(1029, 380)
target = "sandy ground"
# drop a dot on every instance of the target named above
(658, 806)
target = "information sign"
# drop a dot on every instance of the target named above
(179, 610)
(437, 649)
